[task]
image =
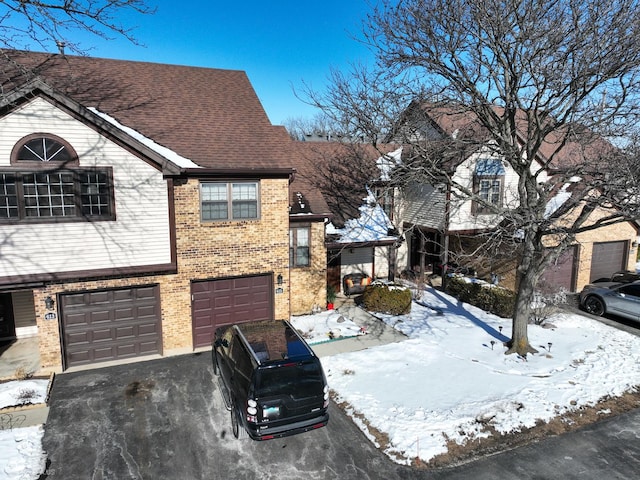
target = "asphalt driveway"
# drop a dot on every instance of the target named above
(165, 419)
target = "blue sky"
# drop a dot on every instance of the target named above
(279, 43)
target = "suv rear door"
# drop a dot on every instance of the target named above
(289, 390)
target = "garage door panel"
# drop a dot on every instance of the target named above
(98, 298)
(101, 335)
(79, 320)
(148, 293)
(74, 299)
(124, 314)
(126, 351)
(111, 324)
(124, 333)
(79, 357)
(242, 300)
(227, 301)
(222, 302)
(96, 318)
(148, 347)
(103, 354)
(78, 338)
(147, 311)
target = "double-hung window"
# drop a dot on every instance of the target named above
(229, 200)
(299, 247)
(488, 185)
(46, 183)
(490, 190)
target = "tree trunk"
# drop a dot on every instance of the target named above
(519, 342)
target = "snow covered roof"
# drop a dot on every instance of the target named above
(373, 225)
(387, 162)
(164, 151)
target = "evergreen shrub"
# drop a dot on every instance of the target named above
(390, 299)
(496, 300)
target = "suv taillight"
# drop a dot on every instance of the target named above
(326, 396)
(252, 410)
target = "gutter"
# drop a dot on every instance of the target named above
(235, 172)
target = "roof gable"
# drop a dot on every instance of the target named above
(146, 149)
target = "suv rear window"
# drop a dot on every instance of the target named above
(298, 380)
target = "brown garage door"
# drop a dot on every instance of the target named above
(227, 301)
(105, 325)
(608, 257)
(561, 274)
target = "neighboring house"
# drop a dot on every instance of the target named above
(436, 220)
(360, 235)
(142, 206)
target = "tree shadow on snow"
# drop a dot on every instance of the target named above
(459, 309)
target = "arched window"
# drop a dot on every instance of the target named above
(45, 148)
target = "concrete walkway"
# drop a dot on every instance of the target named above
(378, 332)
(19, 357)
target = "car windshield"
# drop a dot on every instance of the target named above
(298, 380)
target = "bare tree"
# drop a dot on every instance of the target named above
(58, 23)
(543, 83)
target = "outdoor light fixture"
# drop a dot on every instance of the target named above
(279, 279)
(49, 303)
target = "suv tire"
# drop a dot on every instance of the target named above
(236, 426)
(214, 357)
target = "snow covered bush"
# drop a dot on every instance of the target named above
(390, 299)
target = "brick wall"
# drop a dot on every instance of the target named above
(309, 284)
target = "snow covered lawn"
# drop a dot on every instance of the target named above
(325, 327)
(21, 455)
(451, 379)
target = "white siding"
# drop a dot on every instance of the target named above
(382, 262)
(460, 217)
(24, 312)
(140, 234)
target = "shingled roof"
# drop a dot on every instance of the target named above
(210, 116)
(338, 174)
(567, 146)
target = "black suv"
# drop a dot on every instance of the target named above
(271, 380)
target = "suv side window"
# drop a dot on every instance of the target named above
(242, 360)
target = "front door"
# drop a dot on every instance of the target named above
(7, 324)
(333, 269)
